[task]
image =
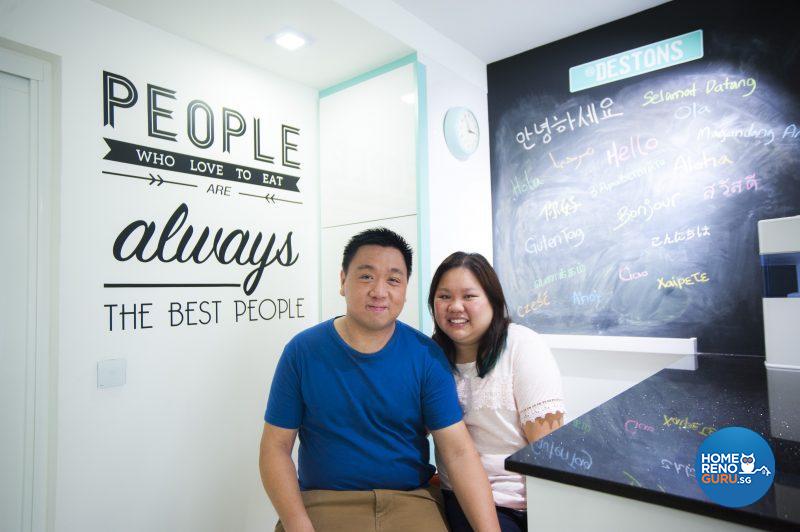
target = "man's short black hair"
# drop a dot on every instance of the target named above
(377, 237)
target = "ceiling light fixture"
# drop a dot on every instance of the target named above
(289, 40)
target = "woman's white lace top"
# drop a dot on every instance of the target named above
(525, 384)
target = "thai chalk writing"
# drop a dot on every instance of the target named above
(633, 426)
(562, 273)
(686, 469)
(714, 86)
(607, 186)
(731, 189)
(554, 209)
(685, 424)
(752, 132)
(524, 185)
(625, 274)
(688, 163)
(541, 301)
(656, 97)
(633, 147)
(566, 161)
(543, 244)
(681, 282)
(644, 211)
(579, 459)
(680, 236)
(586, 116)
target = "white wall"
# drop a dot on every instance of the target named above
(176, 447)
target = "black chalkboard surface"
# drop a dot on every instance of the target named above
(630, 208)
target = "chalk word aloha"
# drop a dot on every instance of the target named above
(680, 282)
(543, 244)
(654, 98)
(554, 209)
(687, 163)
(633, 426)
(713, 86)
(680, 236)
(586, 116)
(607, 186)
(645, 211)
(685, 424)
(752, 132)
(574, 459)
(625, 274)
(563, 273)
(540, 302)
(581, 299)
(632, 149)
(750, 182)
(675, 466)
(528, 184)
(566, 161)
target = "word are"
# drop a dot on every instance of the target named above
(752, 132)
(540, 302)
(633, 426)
(688, 163)
(680, 282)
(563, 273)
(543, 244)
(580, 299)
(714, 86)
(680, 236)
(520, 187)
(575, 459)
(559, 208)
(688, 425)
(607, 186)
(631, 149)
(645, 211)
(750, 182)
(625, 274)
(586, 116)
(653, 98)
(687, 469)
(566, 161)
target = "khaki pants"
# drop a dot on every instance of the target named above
(419, 510)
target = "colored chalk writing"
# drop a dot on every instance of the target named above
(683, 235)
(681, 282)
(541, 301)
(730, 189)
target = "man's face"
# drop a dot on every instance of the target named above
(374, 287)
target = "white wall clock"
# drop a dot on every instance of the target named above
(461, 132)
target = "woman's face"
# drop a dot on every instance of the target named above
(461, 308)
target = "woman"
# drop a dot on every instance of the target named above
(508, 383)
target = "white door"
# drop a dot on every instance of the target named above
(21, 462)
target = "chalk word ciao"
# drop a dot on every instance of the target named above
(634, 147)
(633, 426)
(528, 184)
(543, 244)
(566, 161)
(555, 209)
(752, 132)
(586, 116)
(580, 299)
(644, 211)
(540, 302)
(685, 424)
(563, 273)
(681, 282)
(625, 274)
(680, 236)
(574, 459)
(687, 469)
(688, 163)
(714, 86)
(734, 189)
(607, 186)
(656, 97)
(236, 246)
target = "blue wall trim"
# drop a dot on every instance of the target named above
(411, 58)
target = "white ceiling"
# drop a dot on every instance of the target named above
(497, 29)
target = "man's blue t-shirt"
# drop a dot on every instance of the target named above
(362, 418)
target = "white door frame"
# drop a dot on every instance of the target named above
(41, 392)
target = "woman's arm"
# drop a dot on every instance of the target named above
(542, 426)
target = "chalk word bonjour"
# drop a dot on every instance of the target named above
(625, 274)
(680, 236)
(541, 301)
(645, 211)
(543, 244)
(563, 273)
(681, 282)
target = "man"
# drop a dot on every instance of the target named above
(363, 390)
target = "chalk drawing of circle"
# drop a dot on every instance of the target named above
(590, 71)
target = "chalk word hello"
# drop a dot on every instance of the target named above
(634, 147)
(543, 244)
(680, 236)
(586, 116)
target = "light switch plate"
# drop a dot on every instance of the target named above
(111, 372)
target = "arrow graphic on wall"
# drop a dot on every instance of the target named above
(270, 198)
(153, 179)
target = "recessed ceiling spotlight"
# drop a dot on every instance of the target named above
(289, 39)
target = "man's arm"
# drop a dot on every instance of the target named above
(279, 477)
(467, 475)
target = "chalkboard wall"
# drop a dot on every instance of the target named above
(630, 208)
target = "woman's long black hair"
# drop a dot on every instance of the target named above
(494, 339)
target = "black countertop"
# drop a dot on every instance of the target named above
(642, 443)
